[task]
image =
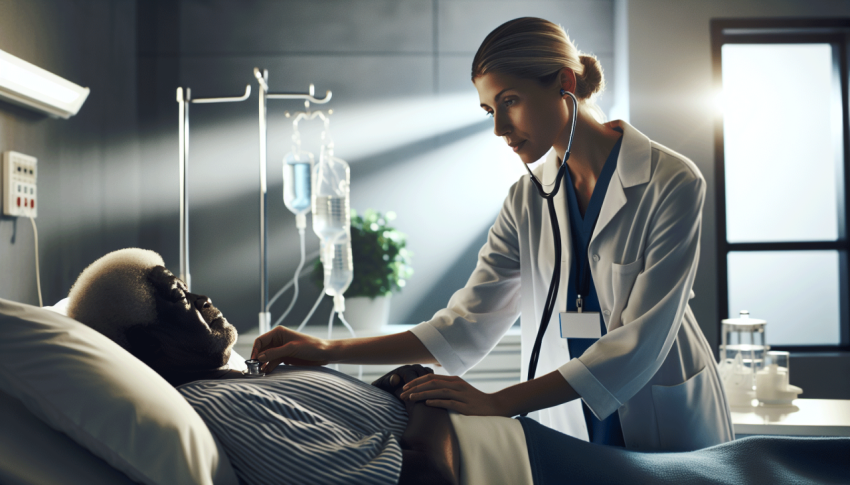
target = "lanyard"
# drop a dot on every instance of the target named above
(591, 216)
(583, 288)
(580, 250)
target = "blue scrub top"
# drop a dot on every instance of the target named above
(608, 431)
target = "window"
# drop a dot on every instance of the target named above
(781, 155)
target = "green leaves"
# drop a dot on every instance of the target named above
(381, 262)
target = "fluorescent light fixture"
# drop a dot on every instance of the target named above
(30, 86)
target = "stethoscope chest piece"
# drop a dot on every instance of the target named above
(253, 369)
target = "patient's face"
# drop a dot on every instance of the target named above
(190, 333)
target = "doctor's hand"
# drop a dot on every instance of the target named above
(452, 392)
(282, 345)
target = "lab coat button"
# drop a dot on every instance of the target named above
(596, 257)
(606, 312)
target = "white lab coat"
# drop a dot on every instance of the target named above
(654, 365)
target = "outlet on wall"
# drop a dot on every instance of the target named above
(20, 195)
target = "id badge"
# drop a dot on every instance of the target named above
(580, 325)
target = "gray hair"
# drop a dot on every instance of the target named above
(114, 293)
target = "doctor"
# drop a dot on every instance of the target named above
(629, 213)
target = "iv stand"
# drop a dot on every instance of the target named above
(263, 79)
(183, 103)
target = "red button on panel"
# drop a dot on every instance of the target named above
(32, 204)
(19, 201)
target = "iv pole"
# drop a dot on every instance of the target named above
(263, 79)
(183, 103)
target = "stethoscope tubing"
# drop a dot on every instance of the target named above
(552, 295)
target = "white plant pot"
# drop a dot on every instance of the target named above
(367, 314)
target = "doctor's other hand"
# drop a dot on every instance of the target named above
(454, 393)
(282, 345)
(393, 380)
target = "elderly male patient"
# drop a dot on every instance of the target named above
(296, 425)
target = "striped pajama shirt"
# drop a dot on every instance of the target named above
(303, 425)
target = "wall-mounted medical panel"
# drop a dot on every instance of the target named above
(20, 173)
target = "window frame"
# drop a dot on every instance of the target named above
(834, 31)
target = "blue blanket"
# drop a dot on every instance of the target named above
(562, 459)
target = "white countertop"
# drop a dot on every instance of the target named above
(805, 417)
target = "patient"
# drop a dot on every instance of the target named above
(296, 425)
(315, 425)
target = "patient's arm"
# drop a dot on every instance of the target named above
(430, 451)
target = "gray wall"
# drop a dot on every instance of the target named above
(671, 100)
(406, 118)
(89, 198)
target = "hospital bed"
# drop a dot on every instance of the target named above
(75, 408)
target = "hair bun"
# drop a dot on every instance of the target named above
(592, 81)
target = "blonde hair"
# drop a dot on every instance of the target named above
(534, 48)
(114, 293)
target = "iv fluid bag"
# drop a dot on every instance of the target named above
(339, 272)
(297, 185)
(330, 217)
(331, 209)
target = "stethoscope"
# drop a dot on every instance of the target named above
(549, 307)
(253, 369)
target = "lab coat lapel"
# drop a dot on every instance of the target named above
(633, 168)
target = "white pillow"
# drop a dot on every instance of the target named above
(33, 452)
(83, 384)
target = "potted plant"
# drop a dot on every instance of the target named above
(381, 267)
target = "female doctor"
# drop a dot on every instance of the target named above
(633, 368)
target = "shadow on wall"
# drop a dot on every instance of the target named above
(440, 293)
(224, 214)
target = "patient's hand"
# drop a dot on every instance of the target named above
(430, 451)
(394, 380)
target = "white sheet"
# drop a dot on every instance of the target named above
(492, 450)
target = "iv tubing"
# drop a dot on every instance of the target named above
(294, 281)
(289, 285)
(351, 331)
(330, 332)
(37, 272)
(312, 311)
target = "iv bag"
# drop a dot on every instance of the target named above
(331, 210)
(339, 271)
(297, 184)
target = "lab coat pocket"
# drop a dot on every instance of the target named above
(623, 278)
(686, 414)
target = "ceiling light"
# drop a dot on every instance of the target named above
(30, 86)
